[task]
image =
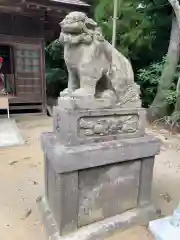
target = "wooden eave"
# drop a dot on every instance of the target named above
(30, 6)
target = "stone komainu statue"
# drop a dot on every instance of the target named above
(95, 68)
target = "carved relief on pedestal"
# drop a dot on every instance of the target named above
(108, 125)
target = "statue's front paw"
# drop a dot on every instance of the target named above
(82, 92)
(65, 93)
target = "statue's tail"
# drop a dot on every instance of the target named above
(122, 76)
(120, 67)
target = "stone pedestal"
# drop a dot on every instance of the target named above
(98, 172)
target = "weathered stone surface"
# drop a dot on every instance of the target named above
(100, 191)
(85, 103)
(88, 183)
(71, 158)
(106, 125)
(96, 69)
(86, 126)
(146, 176)
(93, 178)
(99, 230)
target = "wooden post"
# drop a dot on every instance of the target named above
(4, 104)
(114, 23)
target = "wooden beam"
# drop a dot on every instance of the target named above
(26, 7)
(7, 9)
(10, 2)
(58, 5)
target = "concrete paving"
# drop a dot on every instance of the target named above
(9, 133)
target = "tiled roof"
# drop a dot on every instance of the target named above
(73, 2)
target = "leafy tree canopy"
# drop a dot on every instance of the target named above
(143, 28)
(56, 73)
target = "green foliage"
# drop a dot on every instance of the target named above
(132, 26)
(175, 118)
(56, 80)
(148, 80)
(142, 35)
(171, 97)
(56, 73)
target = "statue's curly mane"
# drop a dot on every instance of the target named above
(78, 28)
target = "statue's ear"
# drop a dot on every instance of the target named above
(90, 23)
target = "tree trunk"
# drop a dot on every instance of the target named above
(176, 114)
(177, 105)
(176, 7)
(159, 107)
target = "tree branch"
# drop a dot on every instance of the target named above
(176, 7)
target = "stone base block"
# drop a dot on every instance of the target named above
(76, 127)
(162, 229)
(87, 184)
(85, 103)
(99, 230)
